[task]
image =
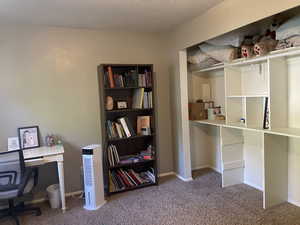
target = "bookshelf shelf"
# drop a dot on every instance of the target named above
(128, 110)
(130, 138)
(133, 84)
(133, 188)
(126, 88)
(132, 164)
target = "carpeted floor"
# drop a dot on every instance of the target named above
(201, 201)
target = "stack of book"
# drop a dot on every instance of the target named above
(145, 80)
(147, 154)
(147, 101)
(142, 99)
(140, 157)
(113, 80)
(121, 179)
(120, 129)
(113, 156)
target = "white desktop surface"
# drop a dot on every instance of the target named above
(43, 155)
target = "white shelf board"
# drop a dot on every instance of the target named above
(209, 122)
(289, 132)
(289, 52)
(211, 68)
(285, 52)
(244, 61)
(247, 96)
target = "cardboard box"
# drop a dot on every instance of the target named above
(197, 111)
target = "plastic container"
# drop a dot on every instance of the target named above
(54, 196)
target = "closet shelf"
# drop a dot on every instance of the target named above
(247, 96)
(289, 132)
(289, 52)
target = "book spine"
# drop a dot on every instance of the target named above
(134, 177)
(141, 98)
(110, 78)
(124, 125)
(130, 178)
(124, 179)
(119, 130)
(129, 126)
(109, 156)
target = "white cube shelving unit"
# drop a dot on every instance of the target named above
(245, 152)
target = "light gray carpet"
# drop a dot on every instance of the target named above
(201, 201)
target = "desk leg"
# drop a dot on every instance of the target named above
(60, 166)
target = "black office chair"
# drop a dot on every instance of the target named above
(16, 180)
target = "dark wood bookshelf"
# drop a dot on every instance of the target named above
(125, 88)
(134, 188)
(130, 138)
(132, 164)
(128, 110)
(127, 145)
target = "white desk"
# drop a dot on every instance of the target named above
(43, 155)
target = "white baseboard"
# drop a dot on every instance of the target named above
(296, 203)
(94, 209)
(184, 179)
(254, 185)
(206, 166)
(166, 174)
(200, 167)
(215, 169)
(40, 200)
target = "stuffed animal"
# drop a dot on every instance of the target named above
(264, 46)
(247, 51)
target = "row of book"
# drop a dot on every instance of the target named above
(120, 129)
(145, 80)
(114, 158)
(121, 179)
(142, 99)
(148, 100)
(112, 155)
(128, 79)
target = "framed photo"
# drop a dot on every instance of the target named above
(29, 137)
(13, 143)
(122, 105)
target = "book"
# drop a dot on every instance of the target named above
(137, 99)
(110, 78)
(145, 101)
(125, 127)
(150, 99)
(143, 122)
(119, 127)
(130, 128)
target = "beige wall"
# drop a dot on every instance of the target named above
(227, 16)
(48, 78)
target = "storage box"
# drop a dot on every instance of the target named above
(197, 111)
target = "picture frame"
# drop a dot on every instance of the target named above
(121, 105)
(29, 137)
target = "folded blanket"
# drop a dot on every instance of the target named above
(289, 29)
(219, 53)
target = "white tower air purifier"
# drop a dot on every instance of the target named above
(93, 177)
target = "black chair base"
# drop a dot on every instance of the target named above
(15, 211)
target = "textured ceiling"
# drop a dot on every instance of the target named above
(140, 15)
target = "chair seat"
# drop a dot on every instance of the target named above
(12, 191)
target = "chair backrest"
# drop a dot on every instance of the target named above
(12, 167)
